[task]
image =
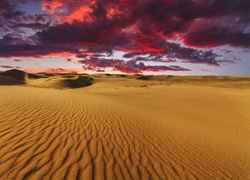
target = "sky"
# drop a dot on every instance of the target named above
(177, 37)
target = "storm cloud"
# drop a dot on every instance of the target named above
(152, 30)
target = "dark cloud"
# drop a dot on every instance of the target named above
(8, 11)
(175, 51)
(131, 54)
(15, 20)
(125, 66)
(12, 14)
(84, 33)
(218, 36)
(82, 55)
(191, 55)
(31, 25)
(171, 53)
(4, 4)
(77, 33)
(225, 21)
(97, 51)
(107, 50)
(148, 30)
(151, 18)
(10, 39)
(28, 50)
(40, 17)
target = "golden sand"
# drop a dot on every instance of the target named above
(125, 128)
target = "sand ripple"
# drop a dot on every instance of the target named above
(55, 134)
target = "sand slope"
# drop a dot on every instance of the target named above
(122, 130)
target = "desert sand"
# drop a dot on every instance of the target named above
(61, 126)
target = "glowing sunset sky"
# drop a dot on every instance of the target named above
(180, 37)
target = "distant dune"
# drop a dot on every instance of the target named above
(107, 126)
(64, 81)
(13, 77)
(59, 81)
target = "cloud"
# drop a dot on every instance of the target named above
(173, 52)
(131, 54)
(8, 10)
(12, 14)
(191, 55)
(136, 24)
(31, 25)
(10, 67)
(10, 39)
(76, 33)
(215, 37)
(219, 31)
(146, 30)
(206, 70)
(28, 50)
(125, 66)
(147, 24)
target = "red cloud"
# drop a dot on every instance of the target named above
(68, 10)
(51, 5)
(140, 27)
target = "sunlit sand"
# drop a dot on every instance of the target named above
(124, 127)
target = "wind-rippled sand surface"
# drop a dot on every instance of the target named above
(105, 132)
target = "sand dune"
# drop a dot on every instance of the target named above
(68, 81)
(13, 77)
(57, 81)
(125, 129)
(61, 81)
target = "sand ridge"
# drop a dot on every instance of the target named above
(130, 129)
(68, 81)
